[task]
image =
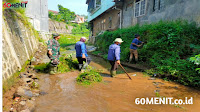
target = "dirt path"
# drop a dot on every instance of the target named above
(112, 95)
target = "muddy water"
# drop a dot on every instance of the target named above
(112, 95)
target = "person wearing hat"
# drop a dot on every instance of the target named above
(133, 48)
(81, 54)
(114, 56)
(53, 52)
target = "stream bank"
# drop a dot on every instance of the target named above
(112, 95)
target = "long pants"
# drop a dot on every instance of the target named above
(114, 65)
(81, 60)
(135, 53)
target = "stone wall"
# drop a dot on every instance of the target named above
(172, 10)
(59, 27)
(19, 43)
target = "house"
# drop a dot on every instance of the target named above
(148, 11)
(79, 19)
(112, 14)
(103, 15)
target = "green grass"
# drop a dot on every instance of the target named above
(89, 76)
(97, 52)
(67, 40)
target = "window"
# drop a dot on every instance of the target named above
(102, 25)
(98, 3)
(93, 5)
(158, 5)
(90, 5)
(140, 7)
(110, 22)
(98, 26)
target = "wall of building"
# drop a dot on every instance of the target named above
(37, 11)
(105, 5)
(128, 14)
(19, 43)
(102, 23)
(173, 10)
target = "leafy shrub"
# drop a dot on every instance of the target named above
(196, 61)
(167, 49)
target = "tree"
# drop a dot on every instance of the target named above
(67, 15)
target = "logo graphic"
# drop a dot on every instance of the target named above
(15, 5)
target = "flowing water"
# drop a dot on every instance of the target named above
(112, 95)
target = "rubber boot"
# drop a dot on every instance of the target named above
(55, 69)
(113, 73)
(136, 61)
(84, 67)
(80, 66)
(130, 59)
(51, 70)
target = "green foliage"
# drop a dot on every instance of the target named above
(66, 64)
(81, 29)
(66, 27)
(169, 45)
(42, 67)
(64, 15)
(89, 76)
(196, 61)
(67, 40)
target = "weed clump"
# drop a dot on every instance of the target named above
(167, 49)
(89, 77)
(67, 64)
(43, 67)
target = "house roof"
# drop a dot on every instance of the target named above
(56, 12)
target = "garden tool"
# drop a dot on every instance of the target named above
(125, 72)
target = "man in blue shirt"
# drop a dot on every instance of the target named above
(81, 54)
(133, 48)
(114, 56)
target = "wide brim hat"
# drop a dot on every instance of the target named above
(118, 40)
